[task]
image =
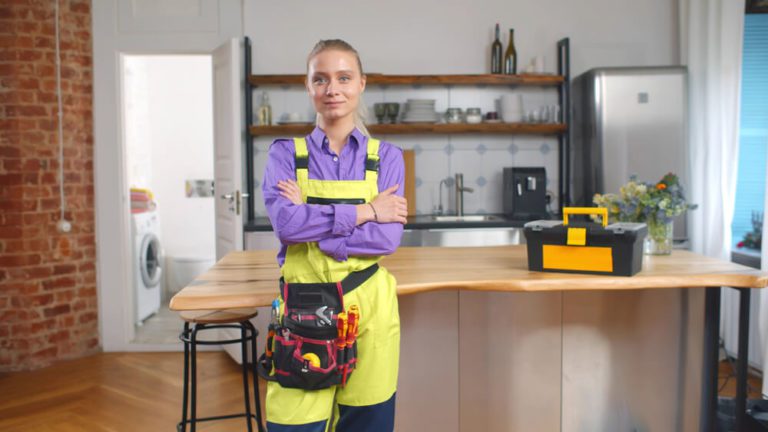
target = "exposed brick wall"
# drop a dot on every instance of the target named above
(48, 308)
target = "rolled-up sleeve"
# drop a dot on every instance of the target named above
(299, 223)
(373, 238)
(345, 219)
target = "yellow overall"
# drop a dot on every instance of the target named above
(374, 380)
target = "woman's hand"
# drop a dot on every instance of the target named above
(386, 207)
(290, 190)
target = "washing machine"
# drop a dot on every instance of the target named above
(147, 263)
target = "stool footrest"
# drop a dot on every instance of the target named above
(179, 425)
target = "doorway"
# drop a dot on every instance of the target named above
(168, 134)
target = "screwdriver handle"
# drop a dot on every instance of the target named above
(354, 324)
(342, 328)
(270, 338)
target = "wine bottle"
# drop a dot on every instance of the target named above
(510, 57)
(496, 53)
(264, 113)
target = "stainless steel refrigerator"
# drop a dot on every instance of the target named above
(628, 121)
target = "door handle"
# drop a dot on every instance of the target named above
(230, 196)
(235, 200)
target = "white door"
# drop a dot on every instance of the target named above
(228, 144)
(228, 127)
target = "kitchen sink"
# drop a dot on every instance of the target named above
(465, 218)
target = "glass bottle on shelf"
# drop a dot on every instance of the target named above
(510, 57)
(264, 113)
(496, 53)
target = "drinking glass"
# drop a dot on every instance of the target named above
(392, 110)
(380, 109)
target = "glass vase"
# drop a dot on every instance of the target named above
(659, 238)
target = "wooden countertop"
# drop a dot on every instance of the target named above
(249, 278)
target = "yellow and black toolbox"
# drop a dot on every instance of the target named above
(585, 247)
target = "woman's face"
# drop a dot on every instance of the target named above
(334, 83)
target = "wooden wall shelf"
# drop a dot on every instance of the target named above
(381, 79)
(425, 128)
(559, 82)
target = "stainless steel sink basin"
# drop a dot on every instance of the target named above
(465, 218)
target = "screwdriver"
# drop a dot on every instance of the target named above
(354, 321)
(270, 341)
(272, 326)
(341, 340)
(354, 324)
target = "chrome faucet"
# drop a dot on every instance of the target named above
(460, 189)
(440, 195)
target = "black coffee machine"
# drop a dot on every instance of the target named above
(525, 193)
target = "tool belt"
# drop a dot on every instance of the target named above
(314, 345)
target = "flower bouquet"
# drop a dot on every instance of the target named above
(653, 203)
(753, 239)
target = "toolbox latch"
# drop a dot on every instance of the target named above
(577, 236)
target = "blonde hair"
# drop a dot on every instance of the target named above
(361, 114)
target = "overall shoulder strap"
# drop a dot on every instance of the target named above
(302, 162)
(372, 162)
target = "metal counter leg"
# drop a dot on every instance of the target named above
(711, 352)
(741, 362)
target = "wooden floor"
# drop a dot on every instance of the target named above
(726, 381)
(118, 392)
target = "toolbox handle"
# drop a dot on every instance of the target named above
(600, 211)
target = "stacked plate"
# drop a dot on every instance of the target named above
(420, 111)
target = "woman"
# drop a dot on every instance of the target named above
(335, 201)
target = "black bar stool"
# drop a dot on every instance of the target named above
(211, 320)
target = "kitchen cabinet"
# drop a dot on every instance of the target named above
(488, 345)
(560, 82)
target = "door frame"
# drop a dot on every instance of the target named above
(111, 196)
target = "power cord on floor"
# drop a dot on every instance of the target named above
(732, 373)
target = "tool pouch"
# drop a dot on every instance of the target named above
(304, 349)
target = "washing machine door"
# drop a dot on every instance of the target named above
(150, 261)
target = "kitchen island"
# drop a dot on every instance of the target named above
(582, 352)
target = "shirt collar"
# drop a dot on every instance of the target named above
(318, 137)
(358, 136)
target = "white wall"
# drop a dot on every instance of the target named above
(434, 36)
(454, 36)
(169, 137)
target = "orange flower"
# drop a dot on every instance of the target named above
(661, 186)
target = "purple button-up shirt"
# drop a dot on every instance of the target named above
(332, 226)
